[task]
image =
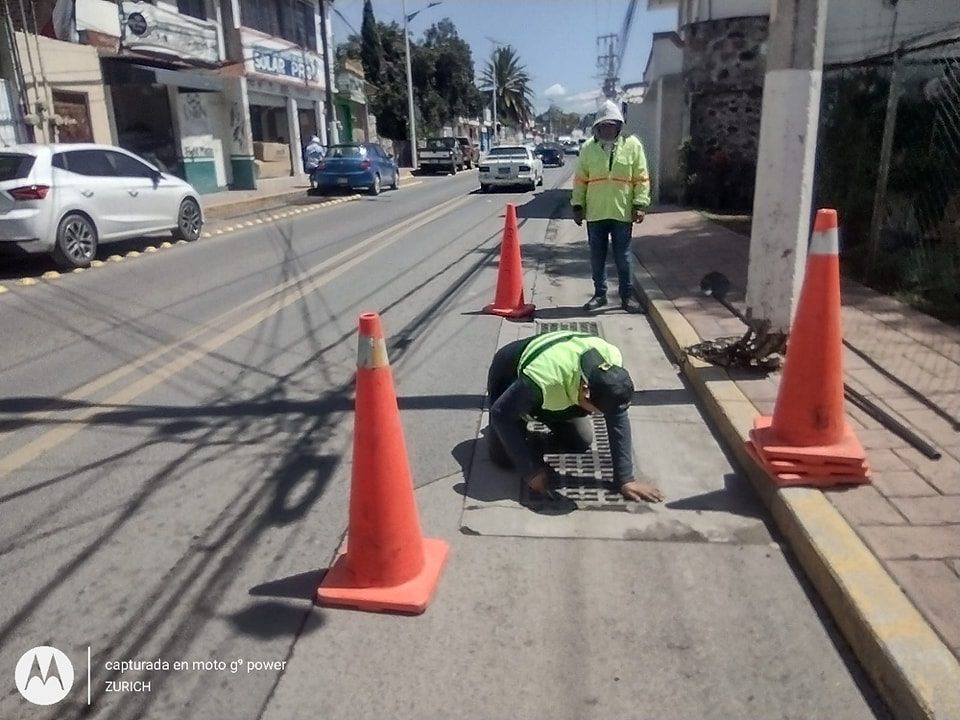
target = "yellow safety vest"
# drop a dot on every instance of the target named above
(552, 362)
(610, 186)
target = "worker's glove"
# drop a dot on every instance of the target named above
(578, 215)
(638, 215)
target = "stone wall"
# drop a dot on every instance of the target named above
(724, 62)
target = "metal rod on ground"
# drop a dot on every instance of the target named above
(718, 293)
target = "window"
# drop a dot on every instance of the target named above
(508, 152)
(92, 163)
(193, 8)
(129, 167)
(14, 166)
(345, 151)
(293, 20)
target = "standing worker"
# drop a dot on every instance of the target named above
(559, 379)
(312, 155)
(611, 190)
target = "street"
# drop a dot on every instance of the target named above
(176, 461)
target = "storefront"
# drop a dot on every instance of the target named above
(284, 87)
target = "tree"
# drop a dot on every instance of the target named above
(371, 44)
(514, 96)
(557, 121)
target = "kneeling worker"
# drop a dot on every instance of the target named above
(559, 379)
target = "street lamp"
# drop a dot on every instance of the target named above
(493, 73)
(412, 118)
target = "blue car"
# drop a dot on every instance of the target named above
(356, 165)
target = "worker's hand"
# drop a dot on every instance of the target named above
(578, 215)
(647, 492)
(638, 215)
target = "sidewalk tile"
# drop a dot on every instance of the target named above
(943, 474)
(886, 460)
(904, 542)
(955, 564)
(936, 510)
(881, 440)
(935, 588)
(902, 483)
(863, 505)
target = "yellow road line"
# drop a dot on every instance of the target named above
(26, 281)
(281, 296)
(166, 244)
(50, 275)
(78, 270)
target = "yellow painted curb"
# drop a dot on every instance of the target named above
(50, 275)
(219, 232)
(915, 672)
(248, 224)
(115, 258)
(96, 263)
(259, 221)
(26, 281)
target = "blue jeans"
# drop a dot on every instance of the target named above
(600, 233)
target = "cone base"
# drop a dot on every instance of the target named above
(848, 451)
(811, 478)
(520, 311)
(338, 587)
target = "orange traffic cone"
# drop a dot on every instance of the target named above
(808, 440)
(388, 565)
(509, 299)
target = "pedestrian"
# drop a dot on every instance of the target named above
(560, 379)
(312, 155)
(611, 190)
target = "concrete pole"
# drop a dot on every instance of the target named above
(785, 166)
(293, 132)
(412, 120)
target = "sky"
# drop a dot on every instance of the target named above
(555, 39)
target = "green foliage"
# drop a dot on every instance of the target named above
(371, 45)
(558, 121)
(514, 95)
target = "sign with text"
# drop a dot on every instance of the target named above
(277, 59)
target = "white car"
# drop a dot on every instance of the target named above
(509, 165)
(66, 199)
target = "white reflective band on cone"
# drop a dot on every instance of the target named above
(372, 353)
(825, 242)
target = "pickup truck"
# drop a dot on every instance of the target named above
(471, 153)
(441, 155)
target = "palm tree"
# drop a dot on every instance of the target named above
(514, 96)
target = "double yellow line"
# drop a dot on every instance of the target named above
(239, 320)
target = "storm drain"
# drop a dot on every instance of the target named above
(590, 327)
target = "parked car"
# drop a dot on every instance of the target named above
(67, 199)
(508, 165)
(550, 154)
(352, 166)
(442, 155)
(471, 153)
(571, 147)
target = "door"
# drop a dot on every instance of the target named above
(86, 180)
(154, 202)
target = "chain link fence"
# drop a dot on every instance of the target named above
(889, 159)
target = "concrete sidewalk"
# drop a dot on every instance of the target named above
(908, 518)
(271, 193)
(691, 609)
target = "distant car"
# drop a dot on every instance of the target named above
(571, 147)
(66, 199)
(550, 154)
(471, 153)
(442, 155)
(353, 166)
(510, 165)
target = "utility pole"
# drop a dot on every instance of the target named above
(785, 166)
(412, 120)
(333, 135)
(607, 63)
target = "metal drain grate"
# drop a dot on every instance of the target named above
(591, 327)
(585, 478)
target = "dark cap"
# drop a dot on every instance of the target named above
(611, 388)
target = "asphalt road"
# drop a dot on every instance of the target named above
(175, 463)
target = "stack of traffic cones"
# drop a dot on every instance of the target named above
(388, 565)
(808, 440)
(509, 300)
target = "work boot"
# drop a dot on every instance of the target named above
(595, 303)
(631, 306)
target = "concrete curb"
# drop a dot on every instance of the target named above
(226, 211)
(915, 673)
